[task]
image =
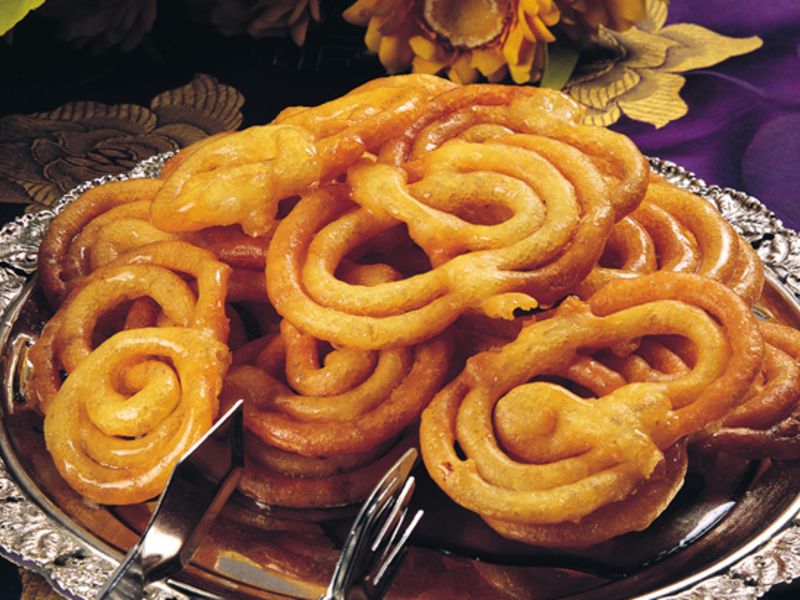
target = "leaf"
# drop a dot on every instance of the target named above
(606, 89)
(203, 102)
(645, 50)
(656, 16)
(699, 47)
(559, 65)
(13, 11)
(656, 100)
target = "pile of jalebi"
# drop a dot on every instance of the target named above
(321, 268)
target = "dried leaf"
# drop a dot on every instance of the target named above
(656, 100)
(656, 16)
(698, 47)
(604, 91)
(645, 50)
(204, 102)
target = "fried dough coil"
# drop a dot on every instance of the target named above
(536, 454)
(675, 230)
(101, 226)
(147, 272)
(376, 409)
(559, 217)
(767, 423)
(57, 258)
(339, 484)
(240, 178)
(634, 513)
(346, 239)
(131, 409)
(490, 112)
(321, 434)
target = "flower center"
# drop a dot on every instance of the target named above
(467, 23)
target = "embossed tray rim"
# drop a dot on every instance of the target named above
(38, 537)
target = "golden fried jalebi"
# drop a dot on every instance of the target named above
(635, 513)
(537, 454)
(98, 228)
(767, 423)
(506, 221)
(329, 424)
(491, 112)
(132, 408)
(148, 272)
(56, 255)
(132, 405)
(674, 230)
(241, 177)
(287, 479)
(494, 268)
(339, 250)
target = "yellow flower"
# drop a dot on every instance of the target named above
(582, 17)
(467, 39)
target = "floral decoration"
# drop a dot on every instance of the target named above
(636, 73)
(266, 18)
(102, 24)
(44, 155)
(467, 39)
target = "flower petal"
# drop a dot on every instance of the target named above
(372, 38)
(697, 47)
(362, 11)
(645, 50)
(394, 53)
(462, 72)
(424, 48)
(487, 61)
(656, 99)
(655, 16)
(539, 29)
(429, 67)
(600, 92)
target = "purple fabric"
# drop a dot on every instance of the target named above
(743, 125)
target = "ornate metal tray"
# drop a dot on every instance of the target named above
(734, 530)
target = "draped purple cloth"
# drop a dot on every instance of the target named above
(743, 125)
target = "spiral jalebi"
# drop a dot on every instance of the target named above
(241, 177)
(327, 429)
(537, 454)
(513, 219)
(674, 230)
(767, 422)
(132, 408)
(601, 316)
(136, 397)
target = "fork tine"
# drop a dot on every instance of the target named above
(388, 547)
(388, 567)
(395, 517)
(356, 546)
(353, 555)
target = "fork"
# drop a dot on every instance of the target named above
(200, 484)
(377, 542)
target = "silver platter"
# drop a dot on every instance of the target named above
(36, 535)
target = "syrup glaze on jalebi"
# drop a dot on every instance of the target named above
(337, 252)
(537, 454)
